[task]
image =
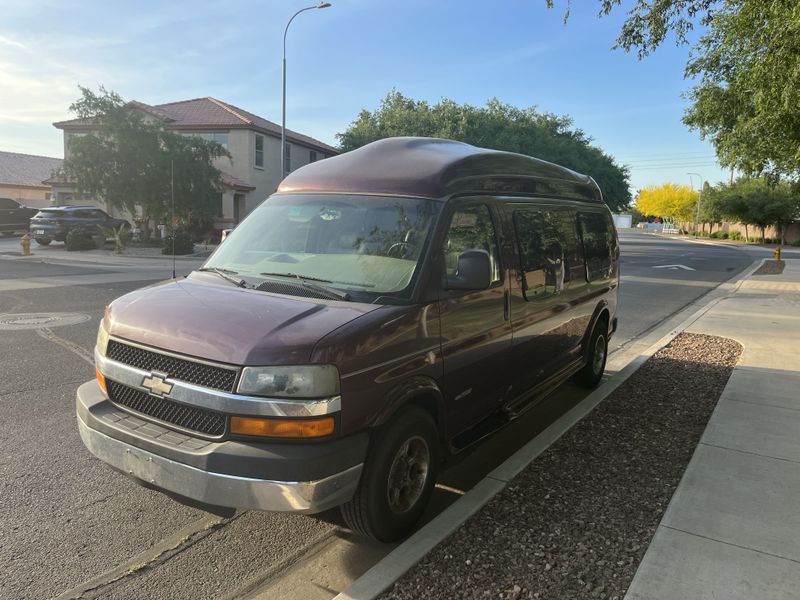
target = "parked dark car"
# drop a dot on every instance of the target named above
(14, 216)
(55, 223)
(386, 309)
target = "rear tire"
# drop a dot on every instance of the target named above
(596, 354)
(398, 477)
(43, 241)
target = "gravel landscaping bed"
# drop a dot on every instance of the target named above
(771, 267)
(577, 521)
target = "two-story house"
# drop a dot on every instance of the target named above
(251, 173)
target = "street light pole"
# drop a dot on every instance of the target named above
(699, 193)
(283, 112)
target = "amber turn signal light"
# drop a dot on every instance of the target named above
(282, 428)
(101, 380)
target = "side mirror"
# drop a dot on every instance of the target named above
(474, 271)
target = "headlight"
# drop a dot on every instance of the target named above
(311, 381)
(102, 339)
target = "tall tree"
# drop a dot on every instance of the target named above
(128, 157)
(499, 126)
(747, 101)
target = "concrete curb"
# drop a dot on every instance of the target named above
(741, 246)
(394, 565)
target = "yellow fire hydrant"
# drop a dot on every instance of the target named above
(25, 242)
(778, 253)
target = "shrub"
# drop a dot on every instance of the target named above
(183, 243)
(796, 243)
(735, 235)
(80, 239)
(716, 235)
(724, 235)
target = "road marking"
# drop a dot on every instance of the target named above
(673, 267)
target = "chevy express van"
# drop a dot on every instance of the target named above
(385, 309)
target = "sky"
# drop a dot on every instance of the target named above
(346, 58)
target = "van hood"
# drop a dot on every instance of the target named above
(220, 322)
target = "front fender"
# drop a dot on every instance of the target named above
(420, 390)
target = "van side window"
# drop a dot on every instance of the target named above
(597, 244)
(541, 253)
(566, 222)
(471, 227)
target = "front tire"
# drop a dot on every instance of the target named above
(43, 241)
(596, 354)
(398, 477)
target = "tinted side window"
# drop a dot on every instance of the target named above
(7, 203)
(566, 222)
(541, 252)
(471, 227)
(597, 244)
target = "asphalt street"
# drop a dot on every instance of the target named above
(66, 519)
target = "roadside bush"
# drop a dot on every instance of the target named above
(716, 235)
(735, 235)
(724, 235)
(183, 244)
(796, 243)
(79, 239)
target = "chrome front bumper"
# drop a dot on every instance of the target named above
(220, 489)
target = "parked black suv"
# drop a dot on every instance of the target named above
(14, 216)
(55, 223)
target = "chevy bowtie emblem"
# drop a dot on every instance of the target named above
(156, 384)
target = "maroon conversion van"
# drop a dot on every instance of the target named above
(383, 310)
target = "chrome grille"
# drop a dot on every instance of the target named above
(203, 421)
(209, 376)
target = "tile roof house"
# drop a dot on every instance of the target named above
(22, 177)
(253, 171)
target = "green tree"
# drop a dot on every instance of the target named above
(128, 159)
(747, 100)
(758, 201)
(498, 126)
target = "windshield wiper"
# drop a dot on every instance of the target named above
(225, 274)
(306, 282)
(296, 276)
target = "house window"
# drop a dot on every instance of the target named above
(221, 137)
(312, 156)
(260, 151)
(287, 159)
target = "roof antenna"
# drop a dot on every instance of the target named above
(172, 216)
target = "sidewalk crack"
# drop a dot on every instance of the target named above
(789, 460)
(711, 539)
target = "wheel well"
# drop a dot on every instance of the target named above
(428, 403)
(604, 316)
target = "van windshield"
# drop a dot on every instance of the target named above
(364, 245)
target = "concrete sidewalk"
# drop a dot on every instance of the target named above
(732, 529)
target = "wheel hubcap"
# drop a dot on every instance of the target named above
(408, 475)
(599, 354)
